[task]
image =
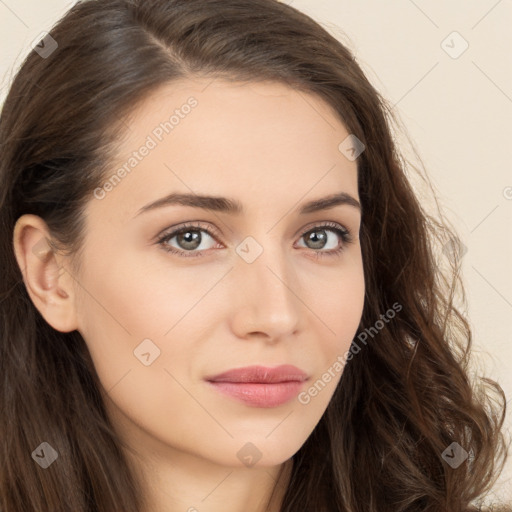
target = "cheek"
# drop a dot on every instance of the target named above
(339, 308)
(129, 295)
(142, 324)
(143, 371)
(339, 303)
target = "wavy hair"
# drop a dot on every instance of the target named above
(403, 398)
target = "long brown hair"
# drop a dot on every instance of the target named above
(404, 396)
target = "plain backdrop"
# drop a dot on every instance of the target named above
(446, 68)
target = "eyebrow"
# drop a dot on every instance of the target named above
(234, 207)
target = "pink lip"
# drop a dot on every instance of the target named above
(260, 386)
(261, 374)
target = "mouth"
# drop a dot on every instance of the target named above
(260, 386)
(261, 375)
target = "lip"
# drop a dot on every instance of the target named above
(261, 374)
(260, 386)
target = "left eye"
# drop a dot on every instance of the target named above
(189, 238)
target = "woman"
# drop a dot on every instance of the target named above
(220, 291)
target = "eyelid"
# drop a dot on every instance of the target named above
(209, 227)
(174, 230)
(316, 224)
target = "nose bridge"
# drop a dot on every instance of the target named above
(265, 278)
(266, 259)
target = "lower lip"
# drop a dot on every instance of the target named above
(258, 394)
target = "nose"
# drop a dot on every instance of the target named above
(266, 302)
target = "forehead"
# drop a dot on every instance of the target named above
(232, 138)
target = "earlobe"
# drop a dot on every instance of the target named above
(48, 283)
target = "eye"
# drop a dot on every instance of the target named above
(318, 238)
(189, 237)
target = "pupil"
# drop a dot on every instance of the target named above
(191, 237)
(319, 240)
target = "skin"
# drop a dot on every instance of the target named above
(272, 148)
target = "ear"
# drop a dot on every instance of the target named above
(48, 284)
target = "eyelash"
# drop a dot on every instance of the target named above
(344, 233)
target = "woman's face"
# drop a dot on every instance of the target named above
(263, 286)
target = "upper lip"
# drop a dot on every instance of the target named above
(262, 374)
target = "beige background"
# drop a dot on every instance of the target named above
(456, 107)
